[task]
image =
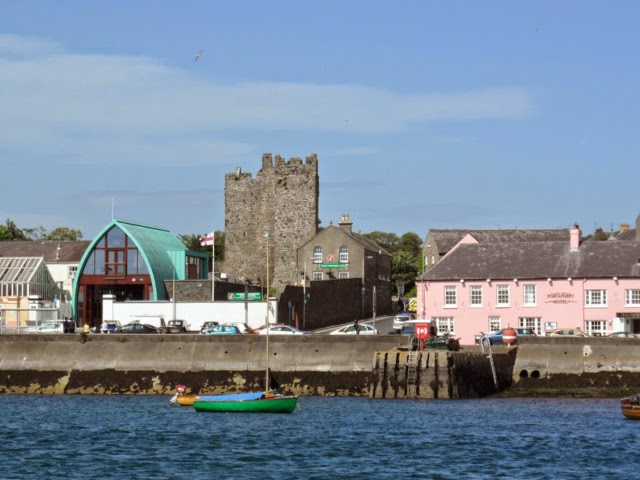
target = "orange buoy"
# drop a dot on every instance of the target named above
(510, 336)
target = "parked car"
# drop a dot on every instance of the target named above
(365, 329)
(279, 329)
(137, 328)
(207, 326)
(400, 318)
(177, 326)
(243, 327)
(623, 335)
(50, 326)
(568, 332)
(495, 338)
(110, 326)
(222, 330)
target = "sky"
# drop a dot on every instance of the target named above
(423, 114)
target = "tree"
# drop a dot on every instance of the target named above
(412, 243)
(9, 231)
(60, 234)
(388, 241)
(192, 242)
(404, 269)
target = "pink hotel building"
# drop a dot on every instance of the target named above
(481, 287)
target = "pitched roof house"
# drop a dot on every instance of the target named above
(480, 287)
(440, 241)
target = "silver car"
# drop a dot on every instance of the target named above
(399, 319)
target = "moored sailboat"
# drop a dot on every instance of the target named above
(267, 401)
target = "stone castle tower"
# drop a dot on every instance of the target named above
(282, 201)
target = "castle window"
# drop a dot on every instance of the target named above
(344, 254)
(317, 254)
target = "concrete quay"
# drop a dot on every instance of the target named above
(331, 365)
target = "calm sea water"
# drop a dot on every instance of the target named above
(127, 437)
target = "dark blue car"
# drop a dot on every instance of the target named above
(495, 338)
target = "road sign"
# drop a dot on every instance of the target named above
(253, 296)
(400, 288)
(330, 258)
(330, 265)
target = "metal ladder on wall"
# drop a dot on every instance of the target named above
(412, 373)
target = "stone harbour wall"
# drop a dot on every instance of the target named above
(155, 364)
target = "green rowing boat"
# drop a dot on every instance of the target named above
(247, 402)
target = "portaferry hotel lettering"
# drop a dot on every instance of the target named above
(563, 297)
(477, 288)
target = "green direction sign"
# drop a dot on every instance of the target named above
(240, 296)
(330, 265)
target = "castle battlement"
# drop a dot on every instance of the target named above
(280, 162)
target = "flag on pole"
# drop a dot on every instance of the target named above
(206, 239)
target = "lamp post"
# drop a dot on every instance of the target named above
(213, 268)
(174, 292)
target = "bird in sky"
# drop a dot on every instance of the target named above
(198, 55)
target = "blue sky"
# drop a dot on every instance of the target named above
(423, 114)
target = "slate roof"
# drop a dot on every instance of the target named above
(447, 239)
(535, 260)
(69, 251)
(628, 235)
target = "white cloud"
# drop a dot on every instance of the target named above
(94, 108)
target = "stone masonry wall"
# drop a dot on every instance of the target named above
(283, 201)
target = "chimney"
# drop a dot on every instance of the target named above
(624, 227)
(575, 237)
(345, 223)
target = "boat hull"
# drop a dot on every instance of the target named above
(279, 404)
(186, 400)
(630, 407)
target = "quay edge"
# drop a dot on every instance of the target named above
(374, 366)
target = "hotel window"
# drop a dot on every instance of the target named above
(344, 254)
(534, 323)
(503, 296)
(343, 274)
(317, 275)
(631, 298)
(476, 296)
(317, 254)
(494, 324)
(530, 295)
(597, 328)
(450, 297)
(445, 325)
(595, 298)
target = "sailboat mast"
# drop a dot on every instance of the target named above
(266, 382)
